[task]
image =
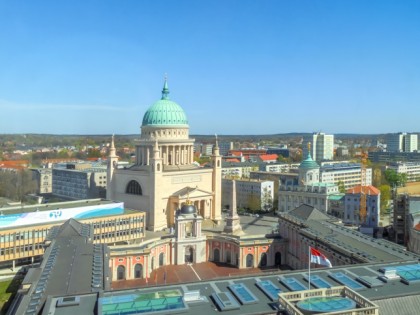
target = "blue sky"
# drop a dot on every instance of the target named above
(235, 67)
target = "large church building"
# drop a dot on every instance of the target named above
(164, 174)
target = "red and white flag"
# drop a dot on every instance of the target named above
(318, 258)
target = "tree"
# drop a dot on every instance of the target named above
(385, 196)
(395, 179)
(282, 159)
(253, 202)
(267, 200)
(377, 177)
(16, 185)
(341, 187)
(94, 153)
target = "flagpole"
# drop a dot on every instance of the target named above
(309, 268)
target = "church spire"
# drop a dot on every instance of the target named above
(165, 91)
(112, 150)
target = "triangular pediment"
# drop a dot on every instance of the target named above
(191, 192)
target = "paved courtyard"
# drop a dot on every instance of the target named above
(189, 273)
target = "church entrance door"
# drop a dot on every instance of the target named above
(189, 254)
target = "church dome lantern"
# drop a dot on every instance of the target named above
(308, 163)
(165, 113)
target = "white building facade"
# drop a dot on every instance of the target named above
(349, 174)
(322, 146)
(309, 190)
(249, 194)
(412, 169)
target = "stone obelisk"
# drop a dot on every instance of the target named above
(233, 224)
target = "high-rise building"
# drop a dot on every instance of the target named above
(402, 142)
(225, 147)
(410, 143)
(322, 146)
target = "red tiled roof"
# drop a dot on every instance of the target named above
(268, 157)
(14, 164)
(233, 160)
(369, 190)
(417, 227)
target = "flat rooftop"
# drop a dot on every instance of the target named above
(380, 293)
(56, 213)
(53, 206)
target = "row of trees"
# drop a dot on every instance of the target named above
(16, 185)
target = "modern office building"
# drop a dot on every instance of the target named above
(321, 144)
(238, 169)
(79, 181)
(411, 143)
(23, 228)
(279, 167)
(349, 174)
(250, 194)
(412, 169)
(402, 142)
(225, 147)
(164, 174)
(379, 156)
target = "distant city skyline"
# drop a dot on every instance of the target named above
(235, 67)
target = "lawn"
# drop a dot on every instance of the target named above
(7, 289)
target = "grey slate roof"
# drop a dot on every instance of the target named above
(68, 267)
(405, 305)
(306, 212)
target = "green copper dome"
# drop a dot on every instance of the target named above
(165, 112)
(308, 163)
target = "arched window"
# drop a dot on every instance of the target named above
(249, 261)
(161, 259)
(138, 271)
(189, 254)
(120, 272)
(133, 188)
(228, 257)
(216, 255)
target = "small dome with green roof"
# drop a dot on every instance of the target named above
(308, 163)
(165, 112)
